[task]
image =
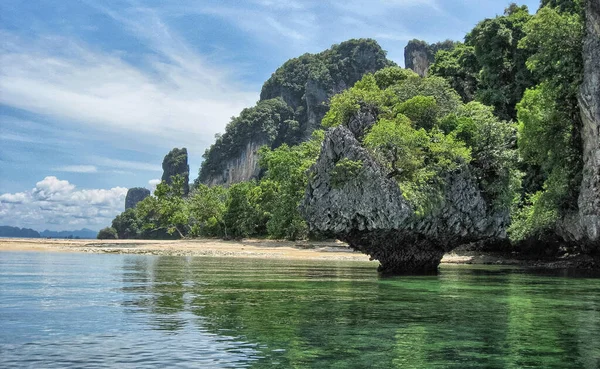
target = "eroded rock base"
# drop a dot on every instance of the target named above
(398, 252)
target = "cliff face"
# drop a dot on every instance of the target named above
(176, 163)
(370, 213)
(589, 102)
(419, 55)
(240, 168)
(305, 85)
(135, 195)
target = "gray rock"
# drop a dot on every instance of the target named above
(176, 163)
(241, 168)
(135, 195)
(419, 55)
(307, 93)
(589, 102)
(370, 213)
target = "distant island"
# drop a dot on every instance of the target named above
(8, 231)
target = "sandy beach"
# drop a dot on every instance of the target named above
(269, 249)
(250, 248)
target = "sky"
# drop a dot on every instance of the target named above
(94, 93)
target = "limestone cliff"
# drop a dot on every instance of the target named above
(239, 168)
(370, 213)
(419, 55)
(589, 102)
(176, 163)
(305, 85)
(135, 195)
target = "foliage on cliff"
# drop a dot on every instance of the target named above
(175, 164)
(502, 106)
(529, 68)
(293, 101)
(549, 120)
(269, 122)
(265, 208)
(424, 131)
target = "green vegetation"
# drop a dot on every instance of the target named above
(268, 122)
(108, 233)
(344, 171)
(293, 101)
(424, 131)
(501, 106)
(529, 68)
(265, 208)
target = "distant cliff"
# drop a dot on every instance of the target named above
(292, 103)
(81, 233)
(176, 163)
(419, 55)
(135, 195)
(7, 231)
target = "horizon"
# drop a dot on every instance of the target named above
(93, 96)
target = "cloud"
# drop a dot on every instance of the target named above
(77, 169)
(126, 164)
(58, 204)
(153, 183)
(169, 92)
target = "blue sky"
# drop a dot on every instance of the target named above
(94, 93)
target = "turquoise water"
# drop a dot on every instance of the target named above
(95, 311)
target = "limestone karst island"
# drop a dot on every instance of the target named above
(359, 184)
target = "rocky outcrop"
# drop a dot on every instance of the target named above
(305, 84)
(176, 163)
(370, 213)
(135, 195)
(589, 102)
(419, 55)
(241, 168)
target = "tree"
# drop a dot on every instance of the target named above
(549, 120)
(243, 217)
(167, 209)
(127, 224)
(460, 68)
(504, 76)
(107, 233)
(416, 158)
(284, 184)
(207, 206)
(423, 111)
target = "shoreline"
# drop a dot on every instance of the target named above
(273, 249)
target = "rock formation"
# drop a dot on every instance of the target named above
(419, 55)
(589, 102)
(135, 195)
(370, 213)
(176, 163)
(240, 168)
(305, 84)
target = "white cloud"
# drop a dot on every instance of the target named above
(126, 164)
(153, 183)
(171, 93)
(58, 204)
(77, 169)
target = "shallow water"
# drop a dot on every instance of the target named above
(86, 310)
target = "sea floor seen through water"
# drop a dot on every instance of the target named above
(60, 310)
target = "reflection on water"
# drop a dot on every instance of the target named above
(67, 310)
